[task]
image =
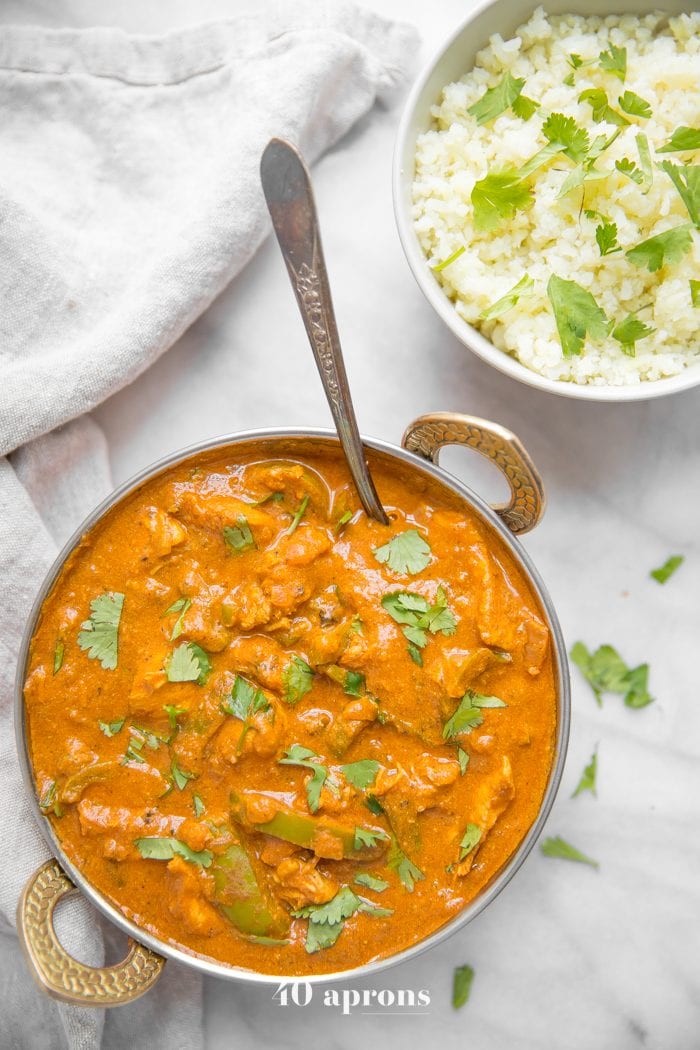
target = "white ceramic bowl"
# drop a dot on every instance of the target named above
(453, 60)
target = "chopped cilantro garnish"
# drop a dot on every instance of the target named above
(367, 838)
(686, 179)
(602, 110)
(588, 777)
(111, 728)
(354, 684)
(188, 663)
(343, 520)
(99, 634)
(167, 848)
(198, 805)
(244, 700)
(181, 606)
(629, 332)
(173, 714)
(417, 616)
(524, 107)
(326, 920)
(180, 777)
(296, 755)
(557, 847)
(664, 249)
(374, 805)
(371, 882)
(461, 985)
(463, 759)
(576, 313)
(406, 552)
(668, 568)
(614, 61)
(607, 672)
(606, 238)
(301, 511)
(497, 197)
(644, 162)
(507, 301)
(415, 654)
(468, 714)
(238, 537)
(497, 99)
(361, 774)
(628, 168)
(635, 105)
(681, 140)
(449, 260)
(470, 840)
(406, 870)
(694, 292)
(298, 679)
(564, 131)
(58, 656)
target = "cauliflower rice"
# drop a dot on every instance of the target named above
(554, 236)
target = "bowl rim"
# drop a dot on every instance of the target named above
(208, 965)
(467, 334)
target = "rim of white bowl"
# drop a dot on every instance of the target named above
(645, 390)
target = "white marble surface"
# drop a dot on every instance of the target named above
(567, 957)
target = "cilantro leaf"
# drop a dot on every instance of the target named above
(682, 139)
(238, 537)
(461, 985)
(564, 131)
(588, 777)
(99, 635)
(173, 713)
(367, 838)
(198, 806)
(343, 520)
(557, 847)
(188, 663)
(298, 679)
(111, 728)
(606, 238)
(296, 755)
(607, 672)
(644, 162)
(354, 684)
(507, 301)
(406, 870)
(301, 511)
(418, 616)
(449, 260)
(371, 882)
(664, 249)
(157, 848)
(468, 714)
(180, 777)
(415, 654)
(524, 107)
(326, 920)
(630, 331)
(629, 168)
(602, 110)
(181, 606)
(470, 840)
(694, 292)
(58, 656)
(614, 61)
(244, 699)
(497, 99)
(361, 774)
(576, 313)
(463, 759)
(497, 197)
(686, 179)
(406, 552)
(635, 105)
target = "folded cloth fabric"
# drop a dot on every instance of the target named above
(129, 197)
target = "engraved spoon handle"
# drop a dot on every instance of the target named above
(287, 188)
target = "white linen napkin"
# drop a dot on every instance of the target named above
(129, 197)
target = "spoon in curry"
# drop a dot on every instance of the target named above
(287, 187)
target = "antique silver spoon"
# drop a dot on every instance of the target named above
(287, 188)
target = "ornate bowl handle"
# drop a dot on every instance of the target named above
(57, 972)
(427, 435)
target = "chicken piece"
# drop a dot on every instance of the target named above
(275, 850)
(246, 606)
(263, 734)
(456, 669)
(164, 531)
(262, 658)
(293, 480)
(325, 645)
(303, 547)
(76, 756)
(121, 826)
(301, 883)
(355, 716)
(149, 678)
(188, 899)
(536, 645)
(436, 770)
(216, 510)
(493, 796)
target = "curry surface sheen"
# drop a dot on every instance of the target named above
(274, 739)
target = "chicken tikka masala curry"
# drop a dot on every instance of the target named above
(277, 733)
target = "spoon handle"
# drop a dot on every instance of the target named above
(287, 188)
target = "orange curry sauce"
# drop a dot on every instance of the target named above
(166, 732)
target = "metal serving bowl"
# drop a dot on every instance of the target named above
(455, 58)
(64, 977)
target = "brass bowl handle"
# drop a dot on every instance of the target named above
(57, 972)
(427, 435)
